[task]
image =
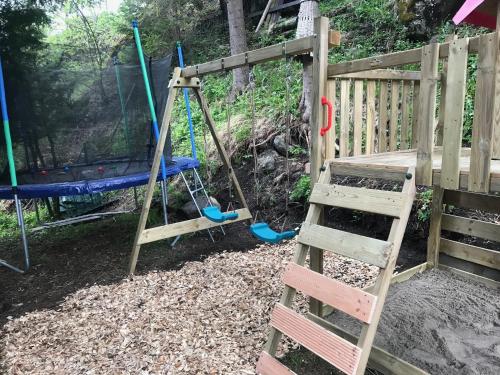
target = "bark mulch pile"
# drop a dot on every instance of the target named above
(208, 317)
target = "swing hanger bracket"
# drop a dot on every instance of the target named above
(187, 83)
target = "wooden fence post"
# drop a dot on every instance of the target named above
(496, 124)
(484, 121)
(427, 113)
(320, 67)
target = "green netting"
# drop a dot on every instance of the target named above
(72, 115)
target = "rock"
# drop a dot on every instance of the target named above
(422, 17)
(190, 209)
(280, 145)
(266, 162)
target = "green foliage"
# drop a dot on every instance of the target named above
(301, 190)
(297, 150)
(424, 204)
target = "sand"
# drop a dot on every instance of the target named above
(440, 322)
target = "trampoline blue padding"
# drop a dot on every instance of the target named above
(81, 187)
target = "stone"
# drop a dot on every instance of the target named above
(280, 145)
(266, 162)
(190, 209)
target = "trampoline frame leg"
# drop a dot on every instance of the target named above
(164, 200)
(22, 227)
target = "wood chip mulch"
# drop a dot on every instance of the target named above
(208, 317)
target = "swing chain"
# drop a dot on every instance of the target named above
(288, 78)
(251, 85)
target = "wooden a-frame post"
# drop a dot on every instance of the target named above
(144, 235)
(320, 73)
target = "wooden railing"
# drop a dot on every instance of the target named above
(376, 110)
(391, 110)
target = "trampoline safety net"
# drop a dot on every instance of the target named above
(76, 123)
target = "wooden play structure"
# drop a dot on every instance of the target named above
(401, 119)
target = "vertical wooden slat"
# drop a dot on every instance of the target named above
(442, 100)
(383, 116)
(370, 117)
(427, 106)
(482, 127)
(433, 242)
(344, 117)
(393, 130)
(405, 114)
(415, 114)
(495, 149)
(330, 136)
(358, 117)
(453, 117)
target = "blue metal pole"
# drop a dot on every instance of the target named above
(13, 176)
(188, 104)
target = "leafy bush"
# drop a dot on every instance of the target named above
(424, 204)
(301, 190)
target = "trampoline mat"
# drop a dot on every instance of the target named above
(98, 178)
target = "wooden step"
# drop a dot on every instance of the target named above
(380, 202)
(352, 301)
(268, 365)
(332, 348)
(365, 249)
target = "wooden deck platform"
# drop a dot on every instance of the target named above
(391, 165)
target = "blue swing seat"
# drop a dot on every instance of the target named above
(213, 213)
(266, 234)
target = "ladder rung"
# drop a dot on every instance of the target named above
(365, 249)
(268, 365)
(352, 301)
(380, 202)
(196, 190)
(332, 348)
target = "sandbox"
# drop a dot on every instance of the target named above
(441, 322)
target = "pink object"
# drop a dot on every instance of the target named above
(352, 301)
(267, 365)
(477, 12)
(44, 173)
(325, 344)
(100, 170)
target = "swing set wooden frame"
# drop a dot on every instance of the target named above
(144, 235)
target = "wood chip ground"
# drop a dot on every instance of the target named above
(208, 317)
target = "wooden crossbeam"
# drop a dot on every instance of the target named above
(368, 200)
(383, 74)
(471, 227)
(258, 56)
(471, 253)
(184, 227)
(352, 301)
(365, 249)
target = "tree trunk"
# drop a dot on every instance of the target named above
(309, 10)
(238, 42)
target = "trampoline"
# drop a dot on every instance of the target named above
(105, 177)
(75, 127)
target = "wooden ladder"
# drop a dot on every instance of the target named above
(361, 304)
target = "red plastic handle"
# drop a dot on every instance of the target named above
(324, 101)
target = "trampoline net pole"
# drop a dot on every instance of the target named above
(149, 94)
(12, 170)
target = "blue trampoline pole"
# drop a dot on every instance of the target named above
(188, 104)
(13, 176)
(154, 119)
